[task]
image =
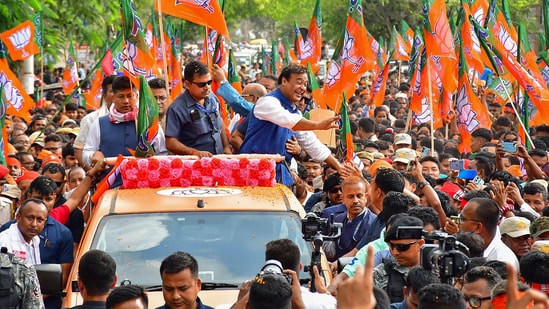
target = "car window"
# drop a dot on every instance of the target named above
(229, 246)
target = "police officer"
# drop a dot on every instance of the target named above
(21, 289)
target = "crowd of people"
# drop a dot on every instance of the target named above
(493, 199)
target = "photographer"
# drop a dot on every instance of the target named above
(287, 253)
(270, 291)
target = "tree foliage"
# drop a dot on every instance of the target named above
(95, 22)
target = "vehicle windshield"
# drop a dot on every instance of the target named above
(229, 246)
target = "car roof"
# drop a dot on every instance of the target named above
(125, 201)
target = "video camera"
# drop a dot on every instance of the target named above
(312, 227)
(274, 267)
(444, 257)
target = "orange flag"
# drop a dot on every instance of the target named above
(20, 41)
(19, 102)
(351, 59)
(471, 114)
(205, 12)
(93, 97)
(439, 43)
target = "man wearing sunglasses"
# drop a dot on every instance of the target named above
(405, 249)
(193, 121)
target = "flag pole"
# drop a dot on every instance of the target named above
(430, 93)
(526, 133)
(163, 46)
(408, 119)
(41, 74)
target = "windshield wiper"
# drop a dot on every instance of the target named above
(205, 286)
(153, 288)
(217, 285)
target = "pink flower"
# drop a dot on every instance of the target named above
(253, 182)
(165, 182)
(143, 184)
(142, 164)
(154, 175)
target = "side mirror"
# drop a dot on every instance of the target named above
(50, 278)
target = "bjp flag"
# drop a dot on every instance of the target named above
(206, 13)
(19, 102)
(20, 41)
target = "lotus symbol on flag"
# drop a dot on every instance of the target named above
(306, 49)
(505, 39)
(334, 74)
(21, 39)
(129, 60)
(347, 48)
(12, 93)
(205, 4)
(425, 115)
(478, 15)
(466, 116)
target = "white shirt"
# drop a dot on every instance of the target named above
(85, 125)
(94, 139)
(317, 300)
(498, 251)
(268, 108)
(13, 240)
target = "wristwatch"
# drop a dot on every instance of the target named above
(223, 82)
(423, 184)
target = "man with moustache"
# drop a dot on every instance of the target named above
(357, 219)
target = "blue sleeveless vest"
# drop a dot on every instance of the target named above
(265, 137)
(116, 139)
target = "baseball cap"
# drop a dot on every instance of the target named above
(377, 165)
(404, 155)
(515, 227)
(12, 191)
(541, 245)
(404, 221)
(365, 155)
(539, 226)
(453, 190)
(402, 138)
(37, 138)
(51, 158)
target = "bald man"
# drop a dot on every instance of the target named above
(251, 93)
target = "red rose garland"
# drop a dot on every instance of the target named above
(169, 171)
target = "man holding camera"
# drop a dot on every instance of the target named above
(404, 238)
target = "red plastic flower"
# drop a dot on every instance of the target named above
(177, 163)
(153, 164)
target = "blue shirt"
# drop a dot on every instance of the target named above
(401, 305)
(373, 232)
(56, 243)
(194, 125)
(335, 210)
(235, 100)
(199, 305)
(352, 231)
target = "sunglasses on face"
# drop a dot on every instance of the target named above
(59, 184)
(202, 84)
(335, 190)
(402, 247)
